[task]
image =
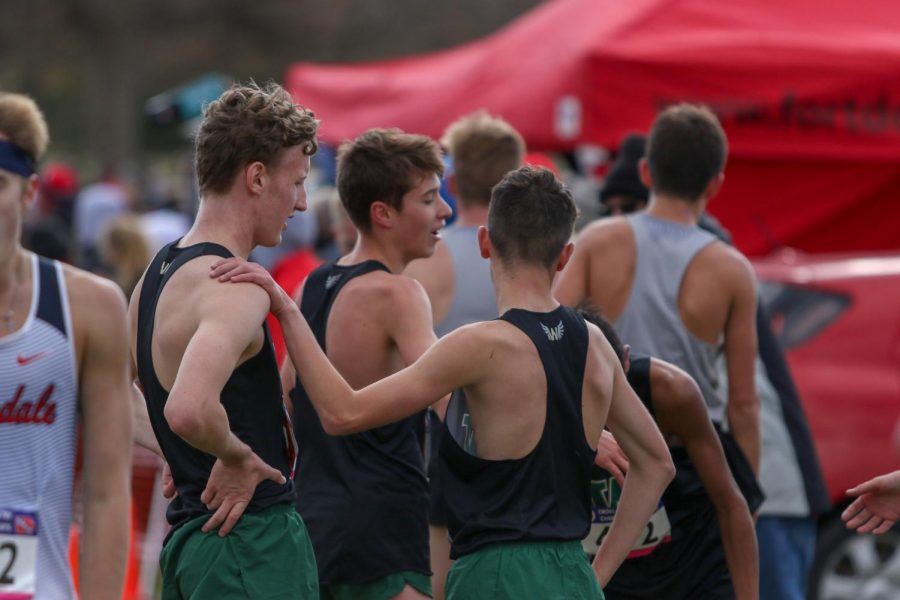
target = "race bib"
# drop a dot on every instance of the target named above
(18, 553)
(604, 500)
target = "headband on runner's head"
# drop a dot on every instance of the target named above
(15, 160)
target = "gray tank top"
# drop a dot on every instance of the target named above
(473, 292)
(650, 322)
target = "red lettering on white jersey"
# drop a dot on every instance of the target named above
(42, 412)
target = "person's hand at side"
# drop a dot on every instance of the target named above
(877, 506)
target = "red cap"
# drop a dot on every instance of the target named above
(59, 180)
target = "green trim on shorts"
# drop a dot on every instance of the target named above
(518, 570)
(380, 589)
(267, 555)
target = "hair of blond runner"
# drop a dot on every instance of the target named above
(483, 150)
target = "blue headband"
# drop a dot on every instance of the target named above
(15, 160)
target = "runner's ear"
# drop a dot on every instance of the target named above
(484, 242)
(564, 256)
(381, 214)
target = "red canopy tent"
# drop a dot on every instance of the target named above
(808, 92)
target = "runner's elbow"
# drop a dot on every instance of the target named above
(661, 468)
(184, 422)
(661, 459)
(656, 467)
(667, 469)
(338, 423)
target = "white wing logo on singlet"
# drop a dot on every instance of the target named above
(555, 334)
(332, 279)
(165, 267)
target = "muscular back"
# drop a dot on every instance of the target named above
(716, 304)
(603, 268)
(495, 396)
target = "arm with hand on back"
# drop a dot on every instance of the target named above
(228, 325)
(681, 412)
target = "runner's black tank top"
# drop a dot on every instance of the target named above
(545, 495)
(252, 399)
(680, 547)
(363, 497)
(679, 498)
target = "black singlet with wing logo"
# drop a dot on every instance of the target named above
(363, 497)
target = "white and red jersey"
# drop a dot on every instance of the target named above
(38, 415)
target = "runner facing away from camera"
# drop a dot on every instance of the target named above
(673, 290)
(700, 542)
(457, 279)
(537, 386)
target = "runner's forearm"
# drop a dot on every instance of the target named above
(329, 393)
(104, 543)
(743, 422)
(644, 485)
(739, 540)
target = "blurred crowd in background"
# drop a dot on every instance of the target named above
(112, 227)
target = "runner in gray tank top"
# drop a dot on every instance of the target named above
(651, 322)
(473, 299)
(673, 290)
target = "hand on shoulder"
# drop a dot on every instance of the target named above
(239, 270)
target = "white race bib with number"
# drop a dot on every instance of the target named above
(605, 498)
(657, 531)
(18, 553)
